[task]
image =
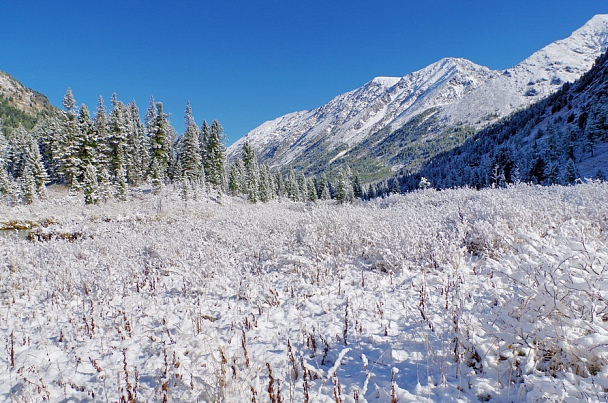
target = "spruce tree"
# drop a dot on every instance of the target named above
(90, 185)
(235, 178)
(190, 152)
(571, 173)
(121, 184)
(215, 156)
(118, 135)
(100, 127)
(36, 166)
(161, 144)
(87, 130)
(69, 147)
(28, 186)
(139, 144)
(105, 185)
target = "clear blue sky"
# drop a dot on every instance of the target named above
(244, 62)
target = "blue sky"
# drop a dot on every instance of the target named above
(245, 62)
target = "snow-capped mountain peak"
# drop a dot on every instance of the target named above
(457, 91)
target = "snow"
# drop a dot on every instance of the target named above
(456, 295)
(463, 91)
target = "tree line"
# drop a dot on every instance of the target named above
(104, 154)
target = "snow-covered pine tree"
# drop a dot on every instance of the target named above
(311, 191)
(48, 134)
(118, 134)
(190, 150)
(139, 146)
(161, 143)
(235, 177)
(105, 185)
(251, 183)
(570, 173)
(121, 185)
(291, 185)
(344, 186)
(88, 152)
(28, 186)
(90, 185)
(100, 125)
(36, 166)
(215, 156)
(70, 145)
(5, 182)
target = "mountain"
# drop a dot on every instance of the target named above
(398, 123)
(557, 140)
(19, 104)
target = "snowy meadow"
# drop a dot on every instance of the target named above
(459, 295)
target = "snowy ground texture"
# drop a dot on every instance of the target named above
(495, 295)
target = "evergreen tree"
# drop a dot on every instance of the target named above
(311, 192)
(118, 136)
(89, 138)
(100, 126)
(235, 178)
(5, 183)
(28, 186)
(215, 156)
(251, 184)
(122, 186)
(105, 185)
(90, 185)
(357, 189)
(48, 140)
(344, 187)
(70, 145)
(139, 144)
(571, 173)
(190, 150)
(36, 166)
(161, 143)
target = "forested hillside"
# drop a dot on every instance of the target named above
(556, 141)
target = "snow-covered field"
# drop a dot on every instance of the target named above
(498, 295)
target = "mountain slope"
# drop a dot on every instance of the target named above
(19, 104)
(370, 127)
(555, 141)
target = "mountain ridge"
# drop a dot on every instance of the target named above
(454, 92)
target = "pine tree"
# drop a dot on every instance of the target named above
(118, 135)
(357, 189)
(214, 156)
(571, 173)
(48, 140)
(100, 127)
(139, 144)
(36, 166)
(28, 186)
(70, 145)
(105, 185)
(235, 178)
(90, 185)
(5, 183)
(251, 184)
(87, 130)
(311, 194)
(161, 143)
(190, 152)
(344, 187)
(122, 186)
